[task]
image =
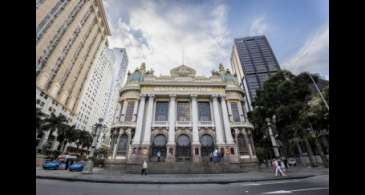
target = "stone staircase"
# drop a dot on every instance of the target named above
(184, 167)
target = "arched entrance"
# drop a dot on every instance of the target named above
(242, 145)
(159, 144)
(183, 148)
(207, 146)
(123, 145)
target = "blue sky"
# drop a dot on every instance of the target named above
(157, 31)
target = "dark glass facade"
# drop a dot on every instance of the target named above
(258, 62)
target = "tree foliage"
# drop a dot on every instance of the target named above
(283, 95)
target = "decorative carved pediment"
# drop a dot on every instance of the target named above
(182, 71)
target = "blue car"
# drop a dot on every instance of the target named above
(51, 165)
(76, 166)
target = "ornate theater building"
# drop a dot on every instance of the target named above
(184, 117)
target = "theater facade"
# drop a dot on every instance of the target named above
(182, 116)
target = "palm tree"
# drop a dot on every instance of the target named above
(40, 118)
(84, 140)
(66, 135)
(53, 124)
(71, 136)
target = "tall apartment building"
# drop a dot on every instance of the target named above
(121, 63)
(93, 101)
(69, 36)
(101, 93)
(253, 61)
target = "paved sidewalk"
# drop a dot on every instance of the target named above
(101, 176)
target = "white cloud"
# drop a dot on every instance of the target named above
(258, 27)
(313, 56)
(156, 33)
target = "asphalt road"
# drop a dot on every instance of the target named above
(314, 186)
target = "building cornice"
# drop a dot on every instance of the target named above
(99, 3)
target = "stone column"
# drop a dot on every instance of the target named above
(124, 110)
(116, 144)
(129, 134)
(148, 124)
(227, 127)
(236, 156)
(241, 112)
(195, 144)
(170, 156)
(249, 133)
(139, 124)
(217, 121)
(116, 114)
(111, 144)
(134, 118)
(244, 132)
(230, 111)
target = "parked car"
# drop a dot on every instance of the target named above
(78, 166)
(51, 165)
(292, 162)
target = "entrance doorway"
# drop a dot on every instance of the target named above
(123, 145)
(242, 144)
(159, 144)
(207, 146)
(183, 148)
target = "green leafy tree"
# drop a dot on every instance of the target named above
(314, 118)
(84, 140)
(40, 120)
(283, 95)
(54, 123)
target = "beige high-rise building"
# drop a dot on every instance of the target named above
(70, 34)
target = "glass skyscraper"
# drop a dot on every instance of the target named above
(254, 62)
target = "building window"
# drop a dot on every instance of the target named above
(161, 113)
(204, 111)
(183, 111)
(129, 111)
(235, 112)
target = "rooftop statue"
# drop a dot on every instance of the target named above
(221, 68)
(137, 75)
(142, 68)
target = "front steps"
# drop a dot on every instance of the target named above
(182, 167)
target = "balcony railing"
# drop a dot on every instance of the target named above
(160, 124)
(206, 123)
(183, 124)
(241, 124)
(125, 124)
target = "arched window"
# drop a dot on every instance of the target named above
(207, 144)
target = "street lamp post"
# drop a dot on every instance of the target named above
(95, 134)
(272, 137)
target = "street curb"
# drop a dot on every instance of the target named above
(207, 181)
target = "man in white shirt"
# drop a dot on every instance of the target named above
(144, 168)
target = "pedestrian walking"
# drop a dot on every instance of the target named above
(144, 168)
(158, 156)
(278, 168)
(282, 166)
(215, 155)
